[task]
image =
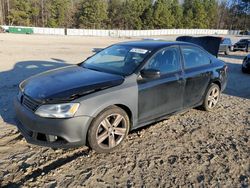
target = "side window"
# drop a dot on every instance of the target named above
(166, 61)
(194, 57)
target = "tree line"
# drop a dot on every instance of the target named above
(127, 14)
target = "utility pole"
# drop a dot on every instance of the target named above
(1, 13)
(42, 6)
(8, 10)
(72, 4)
(246, 15)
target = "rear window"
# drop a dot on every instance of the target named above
(226, 41)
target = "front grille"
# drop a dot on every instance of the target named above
(30, 104)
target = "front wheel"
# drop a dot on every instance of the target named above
(212, 97)
(108, 130)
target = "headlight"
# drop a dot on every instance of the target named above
(19, 96)
(66, 110)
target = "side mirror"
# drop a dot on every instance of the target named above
(150, 73)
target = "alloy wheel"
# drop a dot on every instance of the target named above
(213, 97)
(111, 131)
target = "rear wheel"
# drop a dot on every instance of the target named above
(212, 97)
(227, 51)
(243, 69)
(108, 130)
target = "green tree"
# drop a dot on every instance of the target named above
(211, 7)
(115, 7)
(199, 14)
(194, 14)
(133, 13)
(19, 13)
(147, 17)
(127, 14)
(59, 13)
(177, 13)
(188, 15)
(92, 14)
(35, 12)
(162, 15)
(188, 19)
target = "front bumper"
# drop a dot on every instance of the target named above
(56, 133)
(246, 69)
(239, 48)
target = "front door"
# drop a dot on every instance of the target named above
(160, 96)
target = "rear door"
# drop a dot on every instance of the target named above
(163, 95)
(197, 74)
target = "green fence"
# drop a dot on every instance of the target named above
(21, 30)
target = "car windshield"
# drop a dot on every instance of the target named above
(243, 40)
(117, 59)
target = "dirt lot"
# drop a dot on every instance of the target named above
(191, 149)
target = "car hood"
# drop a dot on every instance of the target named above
(68, 83)
(209, 43)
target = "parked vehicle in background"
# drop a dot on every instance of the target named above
(246, 64)
(225, 46)
(246, 32)
(243, 44)
(2, 30)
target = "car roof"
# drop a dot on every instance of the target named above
(153, 44)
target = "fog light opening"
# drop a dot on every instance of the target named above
(51, 138)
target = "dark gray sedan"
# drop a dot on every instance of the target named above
(121, 88)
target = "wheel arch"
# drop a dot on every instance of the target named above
(128, 111)
(120, 105)
(217, 82)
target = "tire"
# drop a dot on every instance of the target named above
(211, 98)
(243, 70)
(227, 51)
(247, 49)
(108, 130)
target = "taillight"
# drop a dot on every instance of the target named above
(226, 68)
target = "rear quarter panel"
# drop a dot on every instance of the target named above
(219, 73)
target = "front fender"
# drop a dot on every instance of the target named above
(125, 94)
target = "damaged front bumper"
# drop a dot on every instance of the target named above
(56, 133)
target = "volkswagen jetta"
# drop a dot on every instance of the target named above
(122, 87)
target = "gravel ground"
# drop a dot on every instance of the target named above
(191, 149)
